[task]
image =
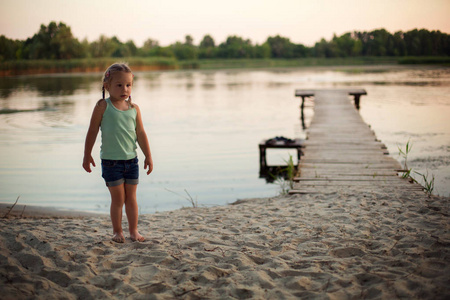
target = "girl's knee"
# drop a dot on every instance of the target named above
(119, 203)
(130, 200)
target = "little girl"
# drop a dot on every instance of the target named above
(121, 124)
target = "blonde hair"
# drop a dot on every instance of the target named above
(107, 76)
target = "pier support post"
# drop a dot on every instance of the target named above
(357, 93)
(357, 97)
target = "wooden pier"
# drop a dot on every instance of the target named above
(341, 151)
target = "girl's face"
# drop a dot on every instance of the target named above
(119, 87)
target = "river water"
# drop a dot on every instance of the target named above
(204, 129)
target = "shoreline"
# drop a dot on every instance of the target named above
(9, 210)
(36, 67)
(75, 70)
(344, 245)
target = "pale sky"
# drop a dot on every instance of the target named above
(168, 21)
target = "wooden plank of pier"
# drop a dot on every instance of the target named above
(342, 152)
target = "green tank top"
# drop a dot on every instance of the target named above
(118, 133)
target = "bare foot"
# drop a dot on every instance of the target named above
(118, 237)
(137, 237)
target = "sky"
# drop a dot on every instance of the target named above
(168, 21)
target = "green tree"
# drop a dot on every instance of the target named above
(103, 47)
(301, 51)
(54, 41)
(188, 40)
(399, 45)
(184, 51)
(235, 47)
(325, 49)
(376, 43)
(85, 48)
(207, 42)
(207, 48)
(281, 47)
(132, 49)
(346, 45)
(262, 51)
(9, 49)
(150, 44)
(123, 49)
(64, 45)
(412, 40)
(162, 51)
(148, 48)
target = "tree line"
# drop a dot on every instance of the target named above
(56, 41)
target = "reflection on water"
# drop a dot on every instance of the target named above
(50, 85)
(204, 129)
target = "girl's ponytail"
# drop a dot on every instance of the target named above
(130, 102)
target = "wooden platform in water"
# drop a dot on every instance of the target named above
(342, 152)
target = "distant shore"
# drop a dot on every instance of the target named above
(33, 67)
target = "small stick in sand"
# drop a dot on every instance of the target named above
(188, 291)
(11, 208)
(212, 250)
(23, 210)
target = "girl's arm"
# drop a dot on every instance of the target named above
(143, 141)
(92, 133)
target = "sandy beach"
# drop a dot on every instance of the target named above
(392, 245)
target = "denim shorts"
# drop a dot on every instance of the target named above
(116, 172)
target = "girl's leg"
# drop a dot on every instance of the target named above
(131, 208)
(117, 201)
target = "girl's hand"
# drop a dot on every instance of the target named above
(148, 163)
(87, 161)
